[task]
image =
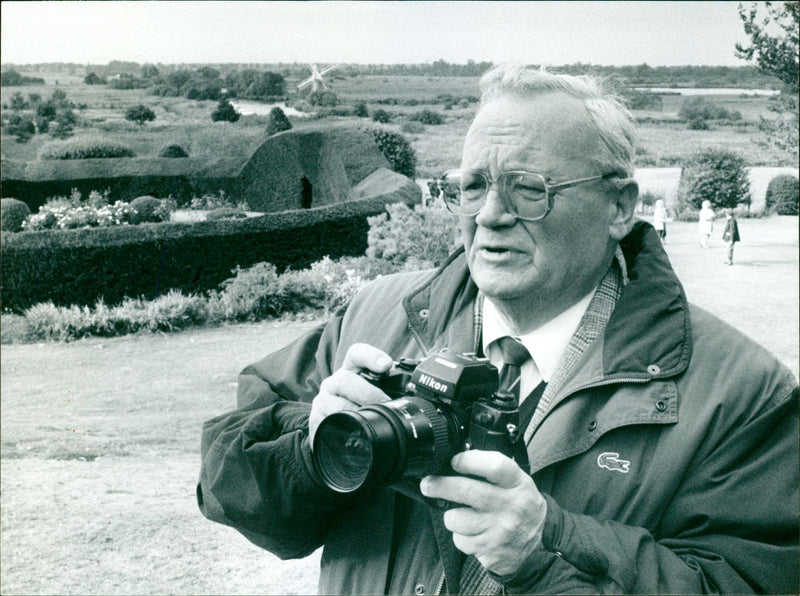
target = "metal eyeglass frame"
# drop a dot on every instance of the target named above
(550, 190)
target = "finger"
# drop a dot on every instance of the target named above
(495, 467)
(465, 521)
(361, 356)
(471, 492)
(353, 387)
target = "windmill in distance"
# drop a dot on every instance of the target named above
(315, 80)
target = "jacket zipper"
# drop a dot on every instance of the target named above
(440, 584)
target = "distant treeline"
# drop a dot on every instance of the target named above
(257, 80)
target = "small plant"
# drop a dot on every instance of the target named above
(212, 201)
(278, 122)
(697, 124)
(173, 151)
(145, 209)
(12, 214)
(140, 114)
(783, 195)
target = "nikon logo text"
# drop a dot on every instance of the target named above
(611, 461)
(432, 383)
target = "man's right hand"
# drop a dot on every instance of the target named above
(346, 389)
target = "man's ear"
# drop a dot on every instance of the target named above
(622, 208)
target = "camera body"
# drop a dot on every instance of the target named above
(442, 405)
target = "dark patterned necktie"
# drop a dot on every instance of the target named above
(514, 356)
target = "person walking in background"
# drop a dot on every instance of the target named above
(660, 219)
(731, 234)
(706, 223)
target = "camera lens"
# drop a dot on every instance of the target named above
(345, 452)
(381, 443)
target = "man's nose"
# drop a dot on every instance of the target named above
(494, 212)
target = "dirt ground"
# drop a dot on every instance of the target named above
(100, 438)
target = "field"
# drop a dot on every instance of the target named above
(664, 140)
(100, 438)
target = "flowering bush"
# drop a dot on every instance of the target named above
(63, 213)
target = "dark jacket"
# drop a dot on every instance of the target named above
(669, 461)
(731, 231)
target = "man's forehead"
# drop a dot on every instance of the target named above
(553, 122)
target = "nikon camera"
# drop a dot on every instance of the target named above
(440, 406)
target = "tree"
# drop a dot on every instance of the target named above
(225, 112)
(773, 49)
(93, 79)
(140, 114)
(716, 175)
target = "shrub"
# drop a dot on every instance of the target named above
(783, 195)
(173, 151)
(140, 114)
(225, 112)
(212, 201)
(382, 116)
(397, 150)
(278, 122)
(360, 109)
(698, 107)
(145, 209)
(716, 175)
(427, 117)
(225, 213)
(12, 214)
(402, 234)
(649, 198)
(85, 149)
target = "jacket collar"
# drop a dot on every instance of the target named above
(648, 335)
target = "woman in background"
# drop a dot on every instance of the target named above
(706, 223)
(660, 219)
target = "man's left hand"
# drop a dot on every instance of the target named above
(503, 515)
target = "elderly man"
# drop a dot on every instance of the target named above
(662, 444)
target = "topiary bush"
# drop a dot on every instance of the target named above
(12, 214)
(85, 149)
(173, 151)
(783, 195)
(278, 122)
(145, 209)
(716, 175)
(397, 150)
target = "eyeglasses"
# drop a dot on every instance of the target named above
(525, 195)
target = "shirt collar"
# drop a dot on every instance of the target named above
(547, 343)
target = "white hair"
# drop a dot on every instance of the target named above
(607, 113)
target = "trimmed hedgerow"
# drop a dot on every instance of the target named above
(397, 150)
(783, 195)
(85, 149)
(80, 266)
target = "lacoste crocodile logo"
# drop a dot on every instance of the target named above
(611, 461)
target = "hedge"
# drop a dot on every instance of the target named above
(80, 266)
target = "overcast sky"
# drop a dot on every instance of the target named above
(604, 33)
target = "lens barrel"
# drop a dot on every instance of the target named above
(382, 443)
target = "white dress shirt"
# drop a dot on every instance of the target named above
(545, 345)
